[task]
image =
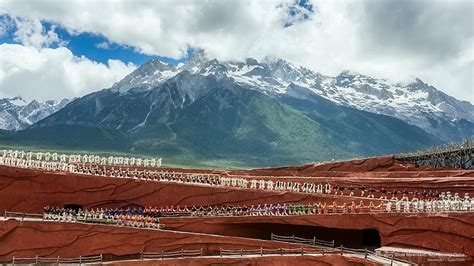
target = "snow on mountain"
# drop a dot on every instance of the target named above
(17, 114)
(146, 76)
(417, 103)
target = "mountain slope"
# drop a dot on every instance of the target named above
(417, 103)
(203, 116)
(17, 114)
(254, 114)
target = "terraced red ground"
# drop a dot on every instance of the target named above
(25, 190)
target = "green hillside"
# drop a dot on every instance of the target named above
(224, 125)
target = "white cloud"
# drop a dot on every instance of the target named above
(32, 33)
(47, 73)
(103, 45)
(393, 39)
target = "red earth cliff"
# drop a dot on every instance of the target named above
(453, 232)
(26, 190)
(53, 239)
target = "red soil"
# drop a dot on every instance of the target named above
(26, 239)
(371, 167)
(273, 260)
(447, 232)
(24, 190)
(27, 190)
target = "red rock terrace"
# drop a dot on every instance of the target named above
(336, 213)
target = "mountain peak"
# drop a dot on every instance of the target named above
(418, 102)
(147, 75)
(350, 73)
(17, 114)
(251, 61)
(197, 58)
(18, 101)
(276, 61)
(156, 63)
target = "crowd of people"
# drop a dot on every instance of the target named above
(77, 158)
(267, 184)
(445, 202)
(248, 183)
(149, 217)
(76, 164)
(285, 209)
(36, 164)
(128, 217)
(406, 206)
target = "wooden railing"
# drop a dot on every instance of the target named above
(307, 241)
(321, 247)
(38, 260)
(99, 258)
(22, 215)
(341, 250)
(172, 254)
(367, 254)
(263, 251)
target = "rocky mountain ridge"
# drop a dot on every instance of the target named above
(417, 103)
(252, 114)
(17, 114)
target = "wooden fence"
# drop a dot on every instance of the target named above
(172, 254)
(22, 215)
(58, 260)
(307, 241)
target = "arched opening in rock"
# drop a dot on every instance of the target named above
(353, 238)
(371, 238)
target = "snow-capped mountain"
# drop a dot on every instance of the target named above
(17, 114)
(204, 116)
(255, 113)
(146, 76)
(417, 103)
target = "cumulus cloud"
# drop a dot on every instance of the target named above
(103, 45)
(32, 33)
(48, 73)
(393, 39)
(431, 29)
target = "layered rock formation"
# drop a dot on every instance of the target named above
(26, 190)
(68, 240)
(453, 232)
(273, 260)
(372, 167)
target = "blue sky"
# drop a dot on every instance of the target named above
(88, 45)
(50, 49)
(98, 48)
